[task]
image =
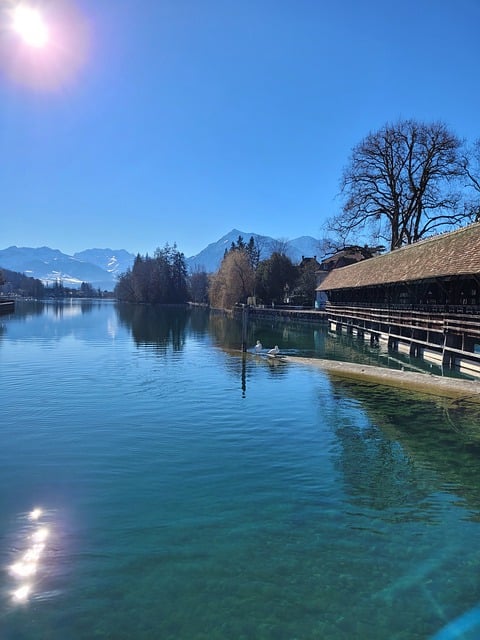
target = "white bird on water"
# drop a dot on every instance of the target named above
(274, 352)
(258, 347)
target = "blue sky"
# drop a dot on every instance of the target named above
(142, 123)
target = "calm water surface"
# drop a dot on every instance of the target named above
(185, 492)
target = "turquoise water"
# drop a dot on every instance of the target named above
(189, 493)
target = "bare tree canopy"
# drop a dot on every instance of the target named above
(280, 246)
(400, 184)
(471, 165)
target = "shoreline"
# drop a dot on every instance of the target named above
(422, 382)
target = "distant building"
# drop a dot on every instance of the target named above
(309, 263)
(349, 255)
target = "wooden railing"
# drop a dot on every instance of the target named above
(441, 320)
(450, 331)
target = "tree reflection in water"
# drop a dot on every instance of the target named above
(155, 325)
(427, 442)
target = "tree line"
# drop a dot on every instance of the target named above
(243, 276)
(18, 284)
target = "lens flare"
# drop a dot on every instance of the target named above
(44, 50)
(29, 24)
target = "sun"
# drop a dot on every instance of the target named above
(29, 24)
(47, 44)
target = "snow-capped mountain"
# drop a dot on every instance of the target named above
(51, 265)
(114, 261)
(211, 257)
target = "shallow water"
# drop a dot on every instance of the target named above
(187, 492)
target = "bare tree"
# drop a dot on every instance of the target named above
(280, 246)
(471, 166)
(326, 246)
(400, 184)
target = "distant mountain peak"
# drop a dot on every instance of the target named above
(211, 257)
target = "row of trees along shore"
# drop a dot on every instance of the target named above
(242, 275)
(164, 279)
(18, 284)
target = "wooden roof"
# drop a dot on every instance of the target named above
(449, 254)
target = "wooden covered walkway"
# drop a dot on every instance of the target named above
(423, 299)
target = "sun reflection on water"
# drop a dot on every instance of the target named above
(28, 561)
(21, 594)
(35, 514)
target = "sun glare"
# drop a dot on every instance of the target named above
(48, 43)
(30, 26)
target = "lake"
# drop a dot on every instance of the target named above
(155, 484)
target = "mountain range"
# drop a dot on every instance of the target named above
(101, 267)
(98, 267)
(209, 259)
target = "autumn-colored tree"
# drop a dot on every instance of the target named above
(234, 281)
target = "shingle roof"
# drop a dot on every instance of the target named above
(449, 254)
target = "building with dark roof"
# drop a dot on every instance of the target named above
(349, 255)
(424, 297)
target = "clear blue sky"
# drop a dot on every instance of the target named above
(177, 120)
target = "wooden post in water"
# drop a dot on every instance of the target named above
(244, 327)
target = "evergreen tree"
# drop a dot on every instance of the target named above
(161, 279)
(273, 276)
